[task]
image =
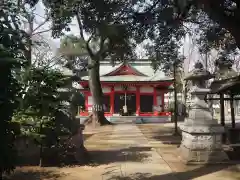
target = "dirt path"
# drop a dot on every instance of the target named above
(130, 152)
(161, 139)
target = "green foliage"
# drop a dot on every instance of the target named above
(103, 21)
(40, 103)
(42, 115)
(213, 24)
(11, 57)
(158, 22)
(74, 53)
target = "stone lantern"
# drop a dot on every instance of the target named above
(201, 134)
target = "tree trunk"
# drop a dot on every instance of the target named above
(1, 174)
(41, 148)
(97, 94)
(185, 98)
(175, 101)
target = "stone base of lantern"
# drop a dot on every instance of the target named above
(202, 145)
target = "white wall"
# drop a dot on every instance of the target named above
(118, 88)
(132, 88)
(146, 89)
(159, 100)
(90, 100)
(106, 89)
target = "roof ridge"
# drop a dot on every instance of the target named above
(121, 66)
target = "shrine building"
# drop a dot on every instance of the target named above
(130, 89)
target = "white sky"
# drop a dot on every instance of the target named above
(189, 48)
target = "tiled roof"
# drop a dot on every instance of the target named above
(129, 78)
(144, 68)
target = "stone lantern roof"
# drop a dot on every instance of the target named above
(199, 73)
(228, 86)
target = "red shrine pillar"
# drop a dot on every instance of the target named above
(163, 105)
(155, 100)
(137, 101)
(86, 94)
(112, 100)
(154, 96)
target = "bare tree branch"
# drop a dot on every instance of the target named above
(40, 25)
(40, 32)
(82, 36)
(80, 26)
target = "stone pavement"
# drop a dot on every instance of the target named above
(153, 159)
(139, 152)
(148, 163)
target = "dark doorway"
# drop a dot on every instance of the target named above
(119, 102)
(146, 103)
(106, 102)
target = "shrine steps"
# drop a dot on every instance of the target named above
(132, 119)
(122, 119)
(138, 119)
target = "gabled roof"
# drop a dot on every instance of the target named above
(124, 69)
(138, 71)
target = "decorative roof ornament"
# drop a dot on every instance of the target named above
(198, 65)
(199, 73)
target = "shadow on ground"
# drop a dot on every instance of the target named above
(188, 175)
(29, 156)
(160, 133)
(168, 138)
(133, 154)
(34, 175)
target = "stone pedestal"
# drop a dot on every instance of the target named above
(202, 144)
(201, 134)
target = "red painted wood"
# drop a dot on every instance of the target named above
(83, 113)
(141, 114)
(137, 92)
(87, 114)
(123, 92)
(84, 83)
(112, 100)
(138, 100)
(163, 105)
(145, 93)
(140, 83)
(108, 114)
(146, 114)
(86, 101)
(154, 97)
(89, 93)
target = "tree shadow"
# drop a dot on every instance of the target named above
(131, 154)
(188, 175)
(34, 175)
(30, 155)
(168, 138)
(163, 134)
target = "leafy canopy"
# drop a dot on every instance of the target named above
(12, 46)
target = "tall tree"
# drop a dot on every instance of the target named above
(12, 49)
(103, 22)
(211, 22)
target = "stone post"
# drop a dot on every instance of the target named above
(201, 134)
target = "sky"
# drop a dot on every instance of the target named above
(189, 48)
